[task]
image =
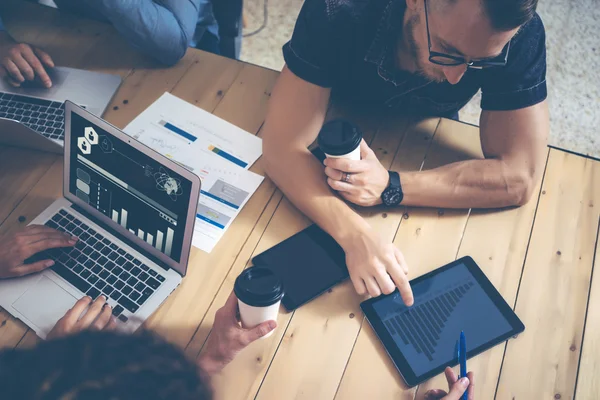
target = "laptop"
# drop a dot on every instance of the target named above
(133, 211)
(31, 116)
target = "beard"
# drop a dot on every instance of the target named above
(414, 51)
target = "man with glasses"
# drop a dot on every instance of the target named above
(425, 57)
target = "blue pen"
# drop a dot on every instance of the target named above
(462, 359)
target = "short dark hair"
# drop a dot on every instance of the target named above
(506, 15)
(102, 365)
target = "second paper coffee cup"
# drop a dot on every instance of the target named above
(259, 292)
(340, 139)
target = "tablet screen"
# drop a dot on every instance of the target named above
(446, 303)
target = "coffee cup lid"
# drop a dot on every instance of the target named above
(339, 137)
(258, 287)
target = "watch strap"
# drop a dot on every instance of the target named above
(395, 180)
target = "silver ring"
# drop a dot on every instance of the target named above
(346, 177)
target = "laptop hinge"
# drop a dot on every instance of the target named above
(122, 237)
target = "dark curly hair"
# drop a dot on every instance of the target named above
(103, 366)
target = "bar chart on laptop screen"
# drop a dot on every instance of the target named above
(161, 240)
(136, 192)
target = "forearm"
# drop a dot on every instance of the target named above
(162, 30)
(488, 183)
(300, 176)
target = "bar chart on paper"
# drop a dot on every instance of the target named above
(162, 241)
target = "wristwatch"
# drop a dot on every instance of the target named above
(393, 195)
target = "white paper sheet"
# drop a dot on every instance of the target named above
(173, 126)
(227, 185)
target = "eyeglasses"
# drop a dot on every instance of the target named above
(451, 60)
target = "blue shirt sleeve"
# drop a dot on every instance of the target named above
(163, 30)
(522, 82)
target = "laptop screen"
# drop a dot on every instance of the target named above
(128, 186)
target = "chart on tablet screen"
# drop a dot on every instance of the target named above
(445, 304)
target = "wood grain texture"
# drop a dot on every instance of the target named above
(242, 261)
(420, 231)
(249, 368)
(497, 240)
(11, 330)
(312, 356)
(20, 170)
(142, 87)
(543, 361)
(30, 340)
(46, 190)
(178, 319)
(588, 384)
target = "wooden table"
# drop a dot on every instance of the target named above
(540, 256)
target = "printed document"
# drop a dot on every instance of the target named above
(217, 151)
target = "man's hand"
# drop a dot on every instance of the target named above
(20, 62)
(367, 178)
(228, 338)
(377, 267)
(15, 249)
(98, 317)
(457, 387)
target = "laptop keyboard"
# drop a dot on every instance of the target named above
(98, 266)
(43, 116)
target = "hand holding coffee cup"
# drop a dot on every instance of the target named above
(340, 139)
(259, 292)
(352, 168)
(228, 338)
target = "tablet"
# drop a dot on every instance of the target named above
(422, 339)
(308, 263)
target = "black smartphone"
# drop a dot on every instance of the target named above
(309, 263)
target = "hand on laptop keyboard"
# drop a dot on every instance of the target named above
(98, 317)
(17, 251)
(22, 62)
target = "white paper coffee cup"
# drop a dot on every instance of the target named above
(340, 139)
(253, 316)
(353, 155)
(259, 292)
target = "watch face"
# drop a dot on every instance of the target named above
(391, 197)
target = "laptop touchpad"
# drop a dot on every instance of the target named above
(44, 303)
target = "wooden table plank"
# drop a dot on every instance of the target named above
(322, 333)
(251, 366)
(19, 175)
(542, 362)
(588, 384)
(187, 307)
(46, 190)
(11, 330)
(29, 340)
(421, 231)
(26, 21)
(497, 240)
(242, 261)
(135, 94)
(67, 39)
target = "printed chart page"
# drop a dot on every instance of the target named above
(218, 152)
(174, 126)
